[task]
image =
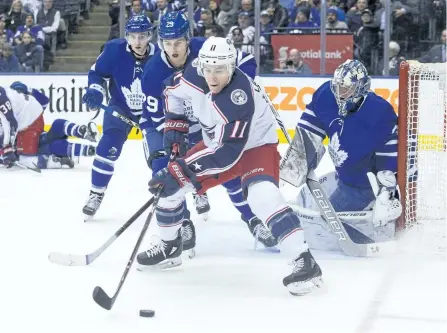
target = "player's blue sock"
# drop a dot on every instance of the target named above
(62, 128)
(236, 195)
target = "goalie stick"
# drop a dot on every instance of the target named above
(348, 215)
(87, 259)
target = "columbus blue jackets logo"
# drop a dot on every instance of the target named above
(239, 97)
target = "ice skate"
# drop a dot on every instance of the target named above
(260, 232)
(64, 161)
(188, 232)
(305, 277)
(163, 254)
(89, 132)
(202, 205)
(92, 205)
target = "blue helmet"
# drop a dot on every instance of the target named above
(174, 25)
(139, 23)
(350, 83)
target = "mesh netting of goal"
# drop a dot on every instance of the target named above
(422, 172)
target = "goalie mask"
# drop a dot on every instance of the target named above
(350, 83)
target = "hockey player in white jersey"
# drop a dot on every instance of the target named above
(239, 139)
(362, 129)
(22, 136)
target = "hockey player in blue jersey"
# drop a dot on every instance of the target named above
(122, 63)
(239, 140)
(178, 49)
(362, 131)
(22, 135)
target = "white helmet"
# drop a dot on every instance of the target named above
(218, 51)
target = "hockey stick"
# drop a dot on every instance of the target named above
(99, 295)
(118, 115)
(87, 259)
(348, 215)
(332, 219)
(23, 166)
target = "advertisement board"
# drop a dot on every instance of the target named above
(288, 94)
(339, 48)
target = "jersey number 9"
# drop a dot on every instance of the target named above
(151, 104)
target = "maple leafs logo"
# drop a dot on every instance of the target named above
(338, 156)
(134, 96)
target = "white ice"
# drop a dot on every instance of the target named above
(228, 287)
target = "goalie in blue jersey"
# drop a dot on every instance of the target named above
(122, 63)
(178, 50)
(362, 131)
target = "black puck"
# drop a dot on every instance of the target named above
(147, 313)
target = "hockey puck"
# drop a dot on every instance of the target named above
(147, 313)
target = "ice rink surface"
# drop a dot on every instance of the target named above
(228, 287)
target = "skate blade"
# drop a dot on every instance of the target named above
(204, 216)
(166, 264)
(191, 253)
(304, 288)
(88, 217)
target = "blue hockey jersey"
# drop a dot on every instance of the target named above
(118, 65)
(159, 69)
(363, 141)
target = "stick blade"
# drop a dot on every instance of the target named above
(67, 259)
(102, 299)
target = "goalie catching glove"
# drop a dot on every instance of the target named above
(387, 207)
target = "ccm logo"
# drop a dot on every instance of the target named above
(178, 172)
(328, 213)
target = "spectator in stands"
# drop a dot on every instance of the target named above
(266, 24)
(278, 13)
(9, 36)
(29, 55)
(366, 39)
(294, 64)
(214, 30)
(163, 7)
(354, 16)
(228, 13)
(302, 19)
(206, 21)
(35, 31)
(8, 61)
(248, 30)
(136, 9)
(297, 4)
(332, 20)
(16, 16)
(436, 11)
(50, 21)
(247, 6)
(240, 41)
(394, 60)
(31, 6)
(437, 53)
(198, 10)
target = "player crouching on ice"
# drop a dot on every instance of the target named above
(362, 128)
(239, 140)
(22, 136)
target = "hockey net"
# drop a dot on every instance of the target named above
(422, 154)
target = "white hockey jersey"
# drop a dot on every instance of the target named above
(17, 112)
(235, 120)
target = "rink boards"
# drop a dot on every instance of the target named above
(289, 95)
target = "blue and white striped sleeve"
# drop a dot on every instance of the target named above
(310, 122)
(386, 155)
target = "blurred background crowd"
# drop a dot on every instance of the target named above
(67, 35)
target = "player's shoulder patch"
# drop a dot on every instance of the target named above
(239, 97)
(195, 63)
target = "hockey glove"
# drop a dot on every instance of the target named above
(9, 156)
(176, 179)
(176, 133)
(93, 96)
(387, 207)
(20, 87)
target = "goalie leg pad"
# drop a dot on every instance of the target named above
(28, 139)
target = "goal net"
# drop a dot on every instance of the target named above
(422, 156)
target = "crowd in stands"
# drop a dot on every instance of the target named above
(32, 30)
(416, 27)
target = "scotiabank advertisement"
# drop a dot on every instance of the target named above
(339, 48)
(288, 94)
